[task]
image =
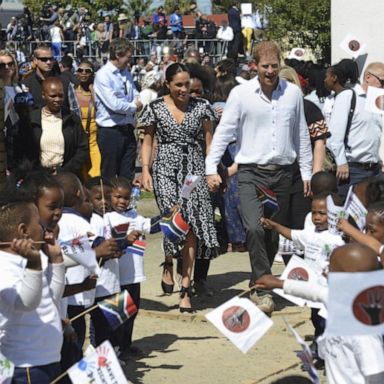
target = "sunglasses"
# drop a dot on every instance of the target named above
(45, 59)
(11, 64)
(85, 70)
(378, 78)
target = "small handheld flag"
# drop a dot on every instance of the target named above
(268, 199)
(190, 183)
(305, 355)
(137, 248)
(79, 250)
(241, 322)
(118, 308)
(355, 209)
(173, 225)
(118, 226)
(99, 366)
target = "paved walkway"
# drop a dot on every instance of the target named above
(187, 349)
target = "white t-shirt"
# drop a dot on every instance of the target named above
(34, 337)
(72, 224)
(131, 266)
(348, 359)
(317, 246)
(108, 282)
(55, 35)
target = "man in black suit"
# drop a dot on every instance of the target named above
(235, 47)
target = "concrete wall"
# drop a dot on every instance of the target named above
(365, 20)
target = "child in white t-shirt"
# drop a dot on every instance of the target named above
(31, 284)
(80, 289)
(108, 282)
(317, 243)
(348, 359)
(131, 265)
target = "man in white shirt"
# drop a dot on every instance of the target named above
(117, 101)
(266, 114)
(356, 154)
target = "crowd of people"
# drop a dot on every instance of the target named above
(81, 136)
(74, 31)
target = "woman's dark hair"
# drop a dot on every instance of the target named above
(88, 62)
(351, 70)
(316, 81)
(346, 70)
(173, 70)
(227, 66)
(223, 86)
(339, 73)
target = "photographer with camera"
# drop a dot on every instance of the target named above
(47, 19)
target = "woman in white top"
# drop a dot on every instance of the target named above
(57, 37)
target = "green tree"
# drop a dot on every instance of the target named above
(169, 6)
(93, 6)
(303, 23)
(143, 7)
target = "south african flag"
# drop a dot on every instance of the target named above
(173, 225)
(118, 308)
(268, 199)
(137, 248)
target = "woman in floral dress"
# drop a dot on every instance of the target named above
(183, 128)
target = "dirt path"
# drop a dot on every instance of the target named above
(187, 349)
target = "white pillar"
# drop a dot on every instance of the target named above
(365, 20)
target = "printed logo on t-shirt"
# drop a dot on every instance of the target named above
(368, 306)
(298, 273)
(236, 319)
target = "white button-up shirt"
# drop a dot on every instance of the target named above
(268, 131)
(364, 134)
(115, 96)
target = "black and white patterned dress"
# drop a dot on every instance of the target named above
(180, 153)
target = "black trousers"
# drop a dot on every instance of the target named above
(235, 46)
(262, 244)
(125, 331)
(118, 151)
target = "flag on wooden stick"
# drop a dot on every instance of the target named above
(118, 308)
(173, 225)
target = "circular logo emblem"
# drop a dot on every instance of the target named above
(299, 52)
(368, 306)
(379, 102)
(236, 319)
(354, 45)
(298, 274)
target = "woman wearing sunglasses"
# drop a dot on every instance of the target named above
(8, 74)
(85, 98)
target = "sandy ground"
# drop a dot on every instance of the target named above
(187, 349)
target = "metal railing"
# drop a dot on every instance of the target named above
(215, 48)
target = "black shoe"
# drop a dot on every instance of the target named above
(167, 288)
(186, 291)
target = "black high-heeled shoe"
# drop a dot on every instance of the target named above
(167, 288)
(186, 291)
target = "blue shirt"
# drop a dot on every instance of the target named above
(176, 22)
(115, 96)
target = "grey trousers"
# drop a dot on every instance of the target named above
(262, 244)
